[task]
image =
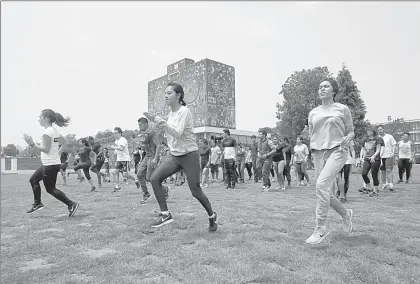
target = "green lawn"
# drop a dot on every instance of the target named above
(261, 237)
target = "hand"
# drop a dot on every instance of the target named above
(372, 159)
(28, 139)
(150, 116)
(345, 141)
(412, 160)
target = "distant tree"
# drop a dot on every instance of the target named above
(349, 95)
(300, 94)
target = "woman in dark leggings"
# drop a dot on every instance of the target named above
(85, 161)
(99, 162)
(372, 161)
(182, 143)
(50, 158)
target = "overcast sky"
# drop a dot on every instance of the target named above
(92, 61)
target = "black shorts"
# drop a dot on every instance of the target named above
(97, 167)
(63, 166)
(122, 166)
(214, 168)
(203, 164)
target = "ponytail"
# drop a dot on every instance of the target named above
(61, 121)
(55, 117)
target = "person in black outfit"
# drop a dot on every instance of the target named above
(85, 161)
(50, 158)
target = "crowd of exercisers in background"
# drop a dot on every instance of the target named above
(266, 156)
(170, 150)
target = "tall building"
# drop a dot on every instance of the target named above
(209, 88)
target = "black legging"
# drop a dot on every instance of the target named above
(368, 165)
(346, 171)
(85, 166)
(48, 174)
(404, 164)
(190, 164)
(230, 171)
(248, 167)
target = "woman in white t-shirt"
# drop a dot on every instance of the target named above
(185, 156)
(50, 158)
(405, 158)
(299, 159)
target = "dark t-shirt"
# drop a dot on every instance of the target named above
(205, 152)
(278, 155)
(84, 154)
(149, 140)
(64, 157)
(370, 146)
(289, 152)
(254, 149)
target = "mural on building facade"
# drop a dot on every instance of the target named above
(209, 89)
(192, 79)
(220, 95)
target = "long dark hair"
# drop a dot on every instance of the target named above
(55, 117)
(179, 90)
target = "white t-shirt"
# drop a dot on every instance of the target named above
(350, 159)
(404, 150)
(180, 135)
(52, 157)
(301, 151)
(124, 155)
(389, 143)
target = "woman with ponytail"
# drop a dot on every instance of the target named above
(50, 158)
(182, 143)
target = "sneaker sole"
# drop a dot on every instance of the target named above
(162, 224)
(144, 200)
(320, 240)
(74, 211)
(36, 210)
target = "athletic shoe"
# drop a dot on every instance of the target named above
(73, 208)
(343, 200)
(318, 235)
(347, 221)
(163, 219)
(35, 207)
(391, 187)
(228, 186)
(266, 188)
(233, 186)
(407, 181)
(283, 188)
(213, 222)
(137, 184)
(384, 186)
(145, 197)
(82, 179)
(94, 188)
(373, 194)
(400, 181)
(117, 188)
(278, 187)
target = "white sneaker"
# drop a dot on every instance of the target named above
(347, 222)
(318, 235)
(384, 186)
(391, 187)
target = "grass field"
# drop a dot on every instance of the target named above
(261, 237)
